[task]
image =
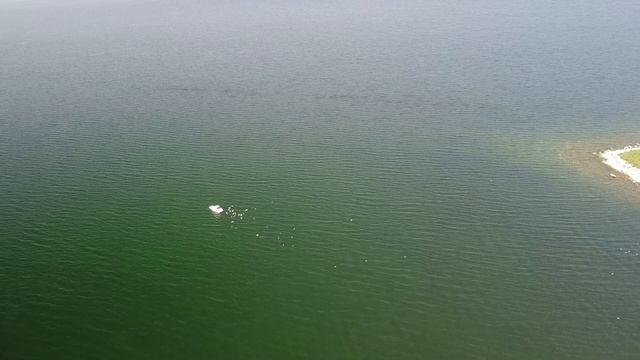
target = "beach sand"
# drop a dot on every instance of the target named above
(612, 159)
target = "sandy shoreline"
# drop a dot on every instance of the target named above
(612, 159)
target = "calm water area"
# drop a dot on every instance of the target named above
(409, 179)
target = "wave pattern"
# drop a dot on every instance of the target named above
(398, 176)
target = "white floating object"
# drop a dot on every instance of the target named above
(613, 175)
(216, 209)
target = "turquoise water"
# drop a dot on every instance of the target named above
(415, 178)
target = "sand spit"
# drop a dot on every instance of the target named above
(612, 158)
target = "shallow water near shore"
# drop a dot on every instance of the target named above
(416, 180)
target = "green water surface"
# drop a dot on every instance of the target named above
(398, 166)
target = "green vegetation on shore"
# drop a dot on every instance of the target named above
(632, 157)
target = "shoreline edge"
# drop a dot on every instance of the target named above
(612, 159)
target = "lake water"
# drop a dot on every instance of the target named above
(416, 180)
